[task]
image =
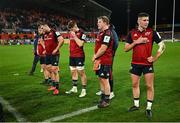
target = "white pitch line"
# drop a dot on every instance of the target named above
(12, 110)
(61, 117)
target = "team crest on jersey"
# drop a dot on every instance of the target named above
(147, 33)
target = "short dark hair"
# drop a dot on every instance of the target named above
(143, 14)
(104, 19)
(71, 24)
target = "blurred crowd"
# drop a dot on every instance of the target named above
(18, 26)
(28, 19)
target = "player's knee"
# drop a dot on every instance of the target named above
(135, 85)
(82, 73)
(48, 68)
(149, 87)
(43, 66)
(54, 70)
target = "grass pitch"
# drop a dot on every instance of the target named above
(32, 100)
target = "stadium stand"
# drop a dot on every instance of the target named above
(19, 20)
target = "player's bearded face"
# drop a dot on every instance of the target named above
(143, 22)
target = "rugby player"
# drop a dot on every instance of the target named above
(53, 41)
(41, 53)
(77, 57)
(141, 40)
(102, 58)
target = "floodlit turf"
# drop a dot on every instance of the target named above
(33, 101)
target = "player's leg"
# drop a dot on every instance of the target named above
(47, 76)
(35, 61)
(111, 83)
(149, 78)
(81, 71)
(136, 72)
(74, 74)
(148, 72)
(136, 91)
(82, 74)
(51, 67)
(43, 66)
(55, 73)
(74, 77)
(105, 87)
(52, 76)
(104, 73)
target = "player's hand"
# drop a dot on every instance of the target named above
(151, 59)
(141, 40)
(73, 34)
(54, 51)
(93, 58)
(44, 52)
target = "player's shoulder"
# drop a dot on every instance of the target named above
(150, 29)
(53, 30)
(134, 30)
(107, 31)
(81, 31)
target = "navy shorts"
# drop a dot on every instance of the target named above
(42, 60)
(104, 71)
(76, 61)
(139, 69)
(52, 60)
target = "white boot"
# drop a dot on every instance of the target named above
(83, 93)
(111, 95)
(41, 70)
(73, 90)
(99, 93)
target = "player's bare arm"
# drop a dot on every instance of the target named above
(79, 42)
(60, 43)
(100, 52)
(160, 51)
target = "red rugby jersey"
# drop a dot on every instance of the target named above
(75, 50)
(144, 50)
(105, 37)
(40, 49)
(51, 42)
